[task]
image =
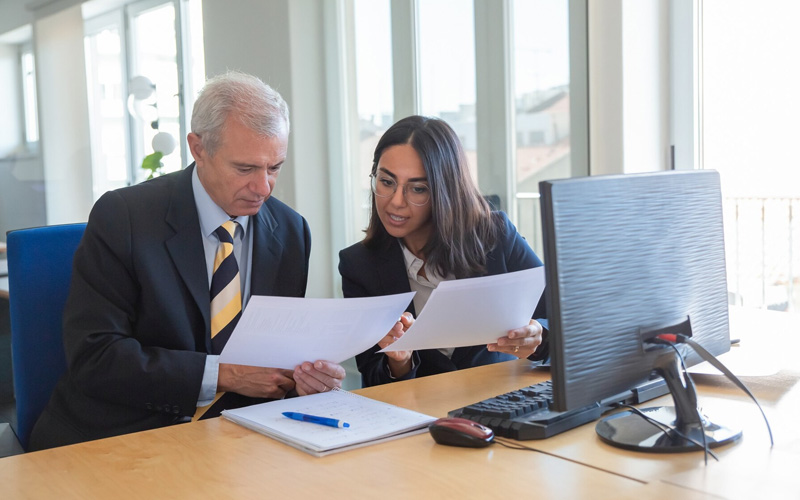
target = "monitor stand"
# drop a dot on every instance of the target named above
(632, 432)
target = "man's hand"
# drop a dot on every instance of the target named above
(319, 376)
(254, 381)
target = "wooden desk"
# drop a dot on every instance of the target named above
(768, 340)
(216, 458)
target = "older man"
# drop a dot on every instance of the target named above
(165, 269)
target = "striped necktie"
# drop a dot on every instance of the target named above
(226, 291)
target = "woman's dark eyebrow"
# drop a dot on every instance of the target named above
(390, 174)
(387, 172)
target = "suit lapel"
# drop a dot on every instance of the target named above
(267, 250)
(185, 246)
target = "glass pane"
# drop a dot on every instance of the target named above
(541, 92)
(447, 68)
(196, 65)
(107, 117)
(750, 103)
(373, 41)
(153, 54)
(29, 94)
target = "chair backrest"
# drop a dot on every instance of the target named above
(39, 273)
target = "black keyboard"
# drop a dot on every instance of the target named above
(526, 413)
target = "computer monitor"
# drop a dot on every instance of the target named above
(628, 257)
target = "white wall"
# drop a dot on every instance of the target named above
(64, 116)
(16, 13)
(606, 133)
(281, 41)
(10, 102)
(684, 68)
(645, 113)
(310, 129)
(629, 95)
(13, 14)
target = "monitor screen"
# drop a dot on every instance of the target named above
(629, 256)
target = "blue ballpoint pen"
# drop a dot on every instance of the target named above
(331, 422)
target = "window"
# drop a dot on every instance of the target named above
(373, 47)
(29, 97)
(541, 104)
(153, 54)
(447, 68)
(424, 57)
(749, 104)
(137, 86)
(108, 121)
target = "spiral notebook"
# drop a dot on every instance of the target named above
(371, 421)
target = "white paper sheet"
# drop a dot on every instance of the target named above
(282, 332)
(474, 311)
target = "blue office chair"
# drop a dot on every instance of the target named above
(39, 272)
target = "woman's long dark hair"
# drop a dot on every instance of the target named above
(463, 229)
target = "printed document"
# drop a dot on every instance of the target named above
(282, 332)
(474, 311)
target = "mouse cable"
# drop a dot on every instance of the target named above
(514, 445)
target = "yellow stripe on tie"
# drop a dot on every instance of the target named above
(222, 318)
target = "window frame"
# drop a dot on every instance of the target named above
(31, 146)
(494, 98)
(120, 17)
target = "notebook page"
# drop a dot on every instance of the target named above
(369, 420)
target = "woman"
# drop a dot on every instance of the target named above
(429, 223)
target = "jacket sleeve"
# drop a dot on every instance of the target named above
(519, 255)
(105, 358)
(358, 281)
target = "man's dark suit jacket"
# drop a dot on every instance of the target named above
(136, 322)
(369, 272)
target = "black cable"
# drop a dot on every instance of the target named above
(707, 356)
(665, 428)
(516, 446)
(697, 410)
(663, 340)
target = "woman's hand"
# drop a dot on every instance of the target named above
(319, 376)
(521, 342)
(399, 361)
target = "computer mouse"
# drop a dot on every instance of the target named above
(456, 431)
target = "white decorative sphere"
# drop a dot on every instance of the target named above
(140, 87)
(164, 143)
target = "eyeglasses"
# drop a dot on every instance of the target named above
(416, 193)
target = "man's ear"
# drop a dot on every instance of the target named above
(196, 147)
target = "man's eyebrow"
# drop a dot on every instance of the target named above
(243, 164)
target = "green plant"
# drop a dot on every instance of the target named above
(152, 163)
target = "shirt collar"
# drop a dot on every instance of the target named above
(413, 266)
(210, 214)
